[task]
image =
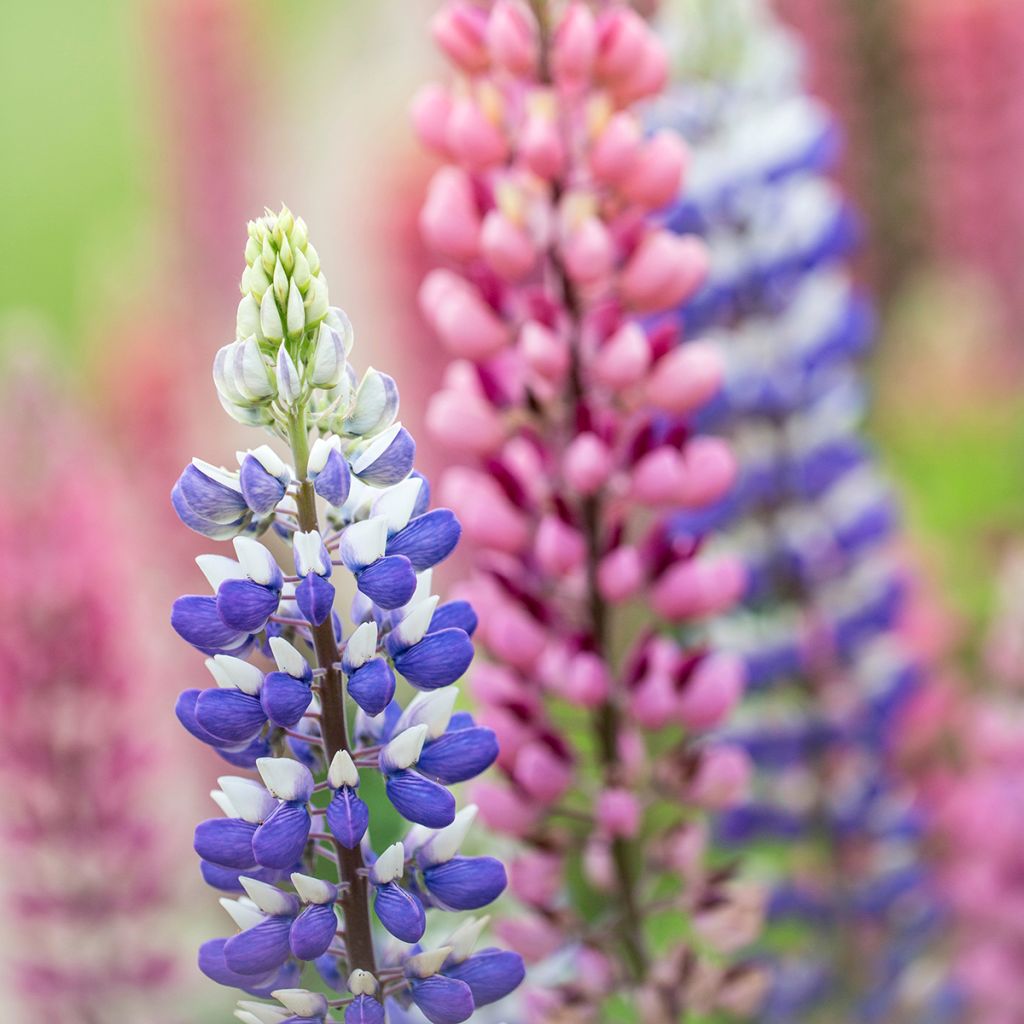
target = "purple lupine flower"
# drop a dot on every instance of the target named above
(293, 846)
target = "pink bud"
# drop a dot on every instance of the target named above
(493, 684)
(516, 638)
(588, 252)
(431, 109)
(541, 147)
(575, 44)
(595, 972)
(598, 866)
(620, 574)
(546, 354)
(712, 691)
(743, 993)
(621, 43)
(685, 379)
(543, 774)
(473, 138)
(559, 548)
(664, 270)
(507, 247)
(586, 683)
(711, 471)
(465, 323)
(465, 422)
(695, 588)
(503, 809)
(657, 175)
(624, 358)
(458, 29)
(722, 779)
(487, 516)
(659, 477)
(535, 878)
(618, 813)
(653, 702)
(685, 849)
(534, 938)
(512, 37)
(511, 732)
(617, 149)
(449, 221)
(647, 77)
(587, 464)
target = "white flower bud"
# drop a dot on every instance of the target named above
(247, 319)
(296, 312)
(251, 374)
(270, 317)
(289, 385)
(317, 301)
(327, 369)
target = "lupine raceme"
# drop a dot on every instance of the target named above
(574, 417)
(306, 704)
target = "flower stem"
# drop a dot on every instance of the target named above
(334, 729)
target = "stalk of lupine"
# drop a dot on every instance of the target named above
(576, 420)
(813, 521)
(293, 847)
(85, 875)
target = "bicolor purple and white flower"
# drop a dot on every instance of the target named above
(292, 850)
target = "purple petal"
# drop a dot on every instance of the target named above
(313, 931)
(490, 974)
(209, 498)
(230, 715)
(454, 615)
(400, 912)
(280, 841)
(315, 598)
(459, 755)
(196, 620)
(260, 949)
(428, 539)
(246, 606)
(213, 964)
(389, 582)
(372, 686)
(285, 699)
(185, 709)
(419, 799)
(246, 757)
(334, 481)
(226, 841)
(394, 464)
(261, 490)
(437, 660)
(330, 971)
(207, 527)
(466, 883)
(347, 818)
(364, 1010)
(226, 879)
(443, 1000)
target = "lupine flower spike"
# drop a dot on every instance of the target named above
(575, 412)
(305, 704)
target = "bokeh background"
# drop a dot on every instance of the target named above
(139, 137)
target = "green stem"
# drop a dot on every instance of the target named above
(355, 902)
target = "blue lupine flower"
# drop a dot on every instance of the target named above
(287, 369)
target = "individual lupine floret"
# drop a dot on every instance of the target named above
(288, 372)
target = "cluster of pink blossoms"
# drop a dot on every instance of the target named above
(84, 879)
(575, 414)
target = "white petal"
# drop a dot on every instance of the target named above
(362, 645)
(288, 658)
(424, 585)
(262, 1013)
(255, 381)
(220, 798)
(247, 319)
(270, 461)
(414, 625)
(390, 864)
(404, 750)
(301, 1001)
(244, 913)
(255, 559)
(296, 311)
(267, 897)
(218, 568)
(433, 709)
(318, 456)
(288, 383)
(362, 983)
(239, 673)
(396, 504)
(285, 778)
(253, 803)
(343, 771)
(464, 939)
(423, 965)
(363, 543)
(446, 841)
(376, 448)
(308, 548)
(314, 890)
(270, 318)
